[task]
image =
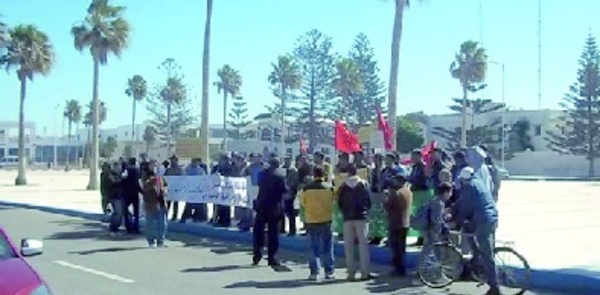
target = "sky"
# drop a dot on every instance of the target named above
(250, 34)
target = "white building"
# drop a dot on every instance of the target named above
(9, 135)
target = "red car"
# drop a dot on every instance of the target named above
(17, 277)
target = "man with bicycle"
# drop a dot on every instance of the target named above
(476, 212)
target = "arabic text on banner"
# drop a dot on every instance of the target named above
(215, 189)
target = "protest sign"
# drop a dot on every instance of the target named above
(215, 189)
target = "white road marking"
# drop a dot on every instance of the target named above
(95, 272)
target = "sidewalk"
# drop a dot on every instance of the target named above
(553, 224)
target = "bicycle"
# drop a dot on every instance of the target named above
(442, 263)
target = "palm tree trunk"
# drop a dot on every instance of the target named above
(87, 147)
(133, 127)
(225, 121)
(21, 177)
(463, 129)
(205, 77)
(393, 85)
(169, 130)
(283, 100)
(69, 143)
(93, 183)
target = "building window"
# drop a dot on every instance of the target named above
(538, 130)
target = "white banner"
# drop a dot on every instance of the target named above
(215, 189)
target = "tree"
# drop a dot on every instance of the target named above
(409, 135)
(149, 137)
(317, 64)
(284, 78)
(29, 52)
(103, 31)
(366, 103)
(108, 147)
(229, 83)
(580, 120)
(519, 139)
(72, 113)
(136, 89)
(238, 116)
(4, 35)
(347, 84)
(87, 123)
(469, 68)
(205, 77)
(395, 62)
(170, 110)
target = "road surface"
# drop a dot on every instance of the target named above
(81, 258)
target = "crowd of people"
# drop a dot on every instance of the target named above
(458, 192)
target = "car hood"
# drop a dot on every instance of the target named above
(17, 277)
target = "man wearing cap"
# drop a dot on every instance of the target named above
(477, 213)
(397, 205)
(269, 211)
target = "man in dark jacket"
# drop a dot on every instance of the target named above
(354, 200)
(269, 211)
(174, 169)
(131, 190)
(397, 205)
(223, 213)
(419, 187)
(113, 180)
(290, 212)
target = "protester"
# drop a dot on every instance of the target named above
(253, 171)
(289, 200)
(131, 190)
(319, 159)
(376, 174)
(222, 216)
(105, 187)
(418, 181)
(198, 212)
(387, 172)
(494, 173)
(155, 191)
(476, 159)
(239, 166)
(398, 205)
(144, 165)
(354, 202)
(343, 162)
(437, 229)
(173, 170)
(268, 212)
(113, 181)
(318, 199)
(437, 165)
(477, 213)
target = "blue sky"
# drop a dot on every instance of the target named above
(249, 35)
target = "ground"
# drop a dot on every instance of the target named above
(80, 258)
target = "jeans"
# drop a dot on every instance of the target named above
(156, 226)
(272, 223)
(132, 222)
(320, 239)
(483, 246)
(397, 243)
(356, 230)
(116, 218)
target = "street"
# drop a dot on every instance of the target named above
(80, 257)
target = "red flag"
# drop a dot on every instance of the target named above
(303, 148)
(384, 127)
(428, 151)
(345, 141)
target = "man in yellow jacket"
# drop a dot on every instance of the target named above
(317, 199)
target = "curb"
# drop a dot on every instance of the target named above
(572, 281)
(552, 178)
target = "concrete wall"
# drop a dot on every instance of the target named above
(547, 163)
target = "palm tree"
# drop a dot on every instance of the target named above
(205, 73)
(4, 36)
(73, 115)
(149, 137)
(347, 84)
(29, 52)
(87, 122)
(136, 89)
(285, 76)
(469, 68)
(229, 83)
(394, 64)
(104, 31)
(173, 93)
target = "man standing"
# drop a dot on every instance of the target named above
(253, 172)
(419, 188)
(197, 212)
(223, 213)
(154, 191)
(354, 200)
(319, 159)
(397, 205)
(318, 199)
(271, 189)
(291, 180)
(131, 190)
(477, 213)
(174, 169)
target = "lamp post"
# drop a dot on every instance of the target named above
(503, 116)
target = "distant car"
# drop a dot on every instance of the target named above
(17, 277)
(503, 173)
(9, 162)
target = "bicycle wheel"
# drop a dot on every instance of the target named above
(439, 265)
(514, 273)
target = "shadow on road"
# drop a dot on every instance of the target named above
(83, 229)
(285, 284)
(108, 250)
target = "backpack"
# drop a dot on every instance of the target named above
(421, 219)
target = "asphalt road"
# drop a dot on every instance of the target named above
(81, 258)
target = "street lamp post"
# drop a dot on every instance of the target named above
(503, 116)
